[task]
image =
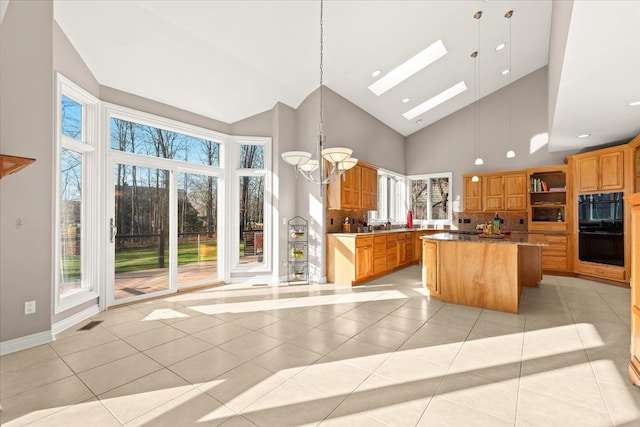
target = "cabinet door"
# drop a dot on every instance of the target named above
(429, 265)
(516, 192)
(472, 195)
(364, 262)
(637, 170)
(369, 189)
(587, 174)
(350, 188)
(611, 171)
(493, 193)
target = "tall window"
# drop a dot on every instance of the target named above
(76, 130)
(251, 176)
(430, 198)
(391, 198)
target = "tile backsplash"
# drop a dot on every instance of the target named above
(336, 219)
(512, 221)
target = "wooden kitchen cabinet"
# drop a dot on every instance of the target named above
(548, 207)
(402, 249)
(515, 197)
(369, 188)
(392, 251)
(493, 193)
(601, 170)
(379, 254)
(472, 195)
(633, 203)
(555, 256)
(358, 189)
(364, 257)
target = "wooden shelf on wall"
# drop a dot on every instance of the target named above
(12, 164)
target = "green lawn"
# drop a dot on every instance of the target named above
(147, 258)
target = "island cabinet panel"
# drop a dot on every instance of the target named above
(472, 194)
(481, 276)
(430, 266)
(493, 192)
(633, 203)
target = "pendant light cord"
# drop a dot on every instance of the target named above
(508, 15)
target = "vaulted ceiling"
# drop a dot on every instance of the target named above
(232, 59)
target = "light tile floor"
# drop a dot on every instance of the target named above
(378, 354)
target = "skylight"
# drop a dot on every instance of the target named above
(430, 103)
(409, 68)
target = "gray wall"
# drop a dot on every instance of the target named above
(345, 125)
(26, 129)
(448, 145)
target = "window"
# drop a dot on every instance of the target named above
(391, 198)
(76, 130)
(253, 208)
(138, 138)
(429, 196)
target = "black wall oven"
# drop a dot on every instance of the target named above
(601, 228)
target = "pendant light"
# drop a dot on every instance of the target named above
(510, 153)
(335, 160)
(474, 55)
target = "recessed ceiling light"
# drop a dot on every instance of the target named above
(404, 101)
(419, 121)
(443, 96)
(634, 104)
(409, 68)
(505, 71)
(376, 73)
(584, 135)
(500, 46)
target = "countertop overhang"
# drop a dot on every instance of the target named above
(524, 239)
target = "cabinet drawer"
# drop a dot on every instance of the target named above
(379, 250)
(392, 237)
(364, 241)
(601, 270)
(379, 240)
(558, 263)
(547, 226)
(401, 237)
(379, 265)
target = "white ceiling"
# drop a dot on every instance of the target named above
(232, 59)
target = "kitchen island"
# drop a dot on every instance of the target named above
(481, 271)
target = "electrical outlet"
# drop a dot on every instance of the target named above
(284, 262)
(29, 307)
(521, 221)
(467, 220)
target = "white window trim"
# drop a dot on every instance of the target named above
(88, 217)
(400, 206)
(233, 209)
(449, 219)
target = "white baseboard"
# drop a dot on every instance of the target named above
(33, 340)
(23, 343)
(73, 320)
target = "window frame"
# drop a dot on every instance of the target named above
(86, 147)
(397, 204)
(429, 220)
(235, 173)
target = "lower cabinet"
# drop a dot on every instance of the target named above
(392, 251)
(554, 256)
(379, 254)
(364, 257)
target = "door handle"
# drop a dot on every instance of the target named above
(114, 230)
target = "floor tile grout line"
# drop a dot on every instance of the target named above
(593, 372)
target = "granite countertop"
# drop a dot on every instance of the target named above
(526, 239)
(394, 230)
